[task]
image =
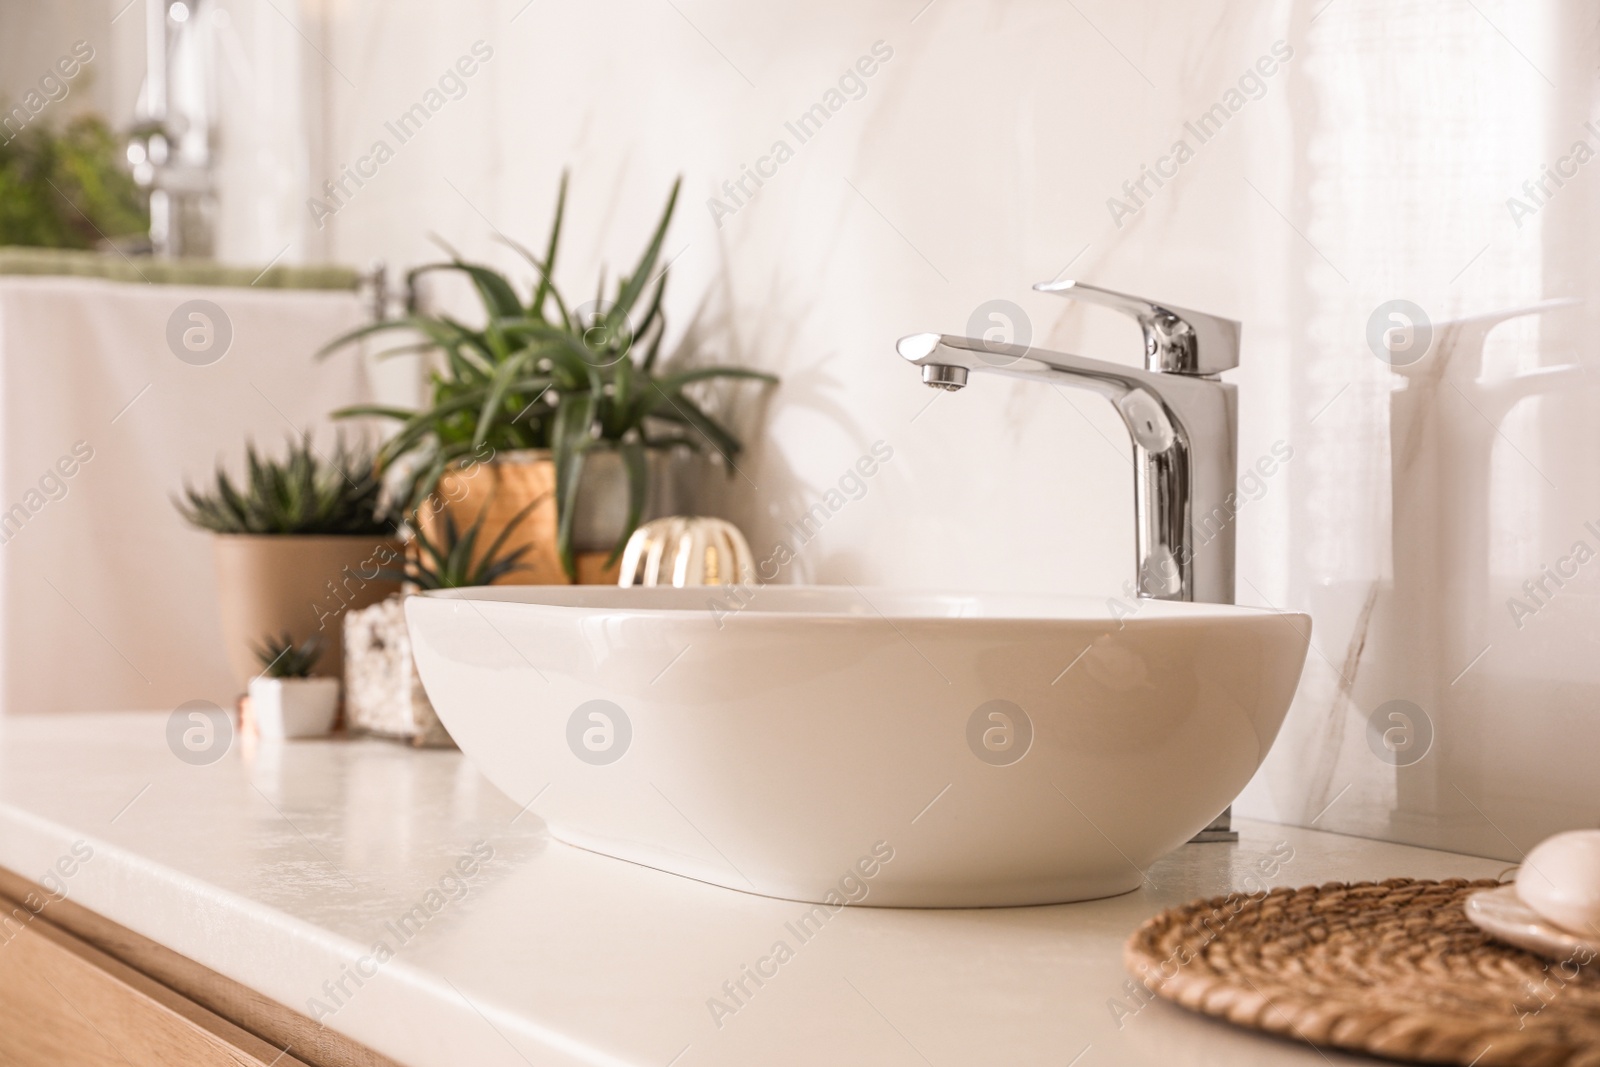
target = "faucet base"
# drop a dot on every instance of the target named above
(1221, 829)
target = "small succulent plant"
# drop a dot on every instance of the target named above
(302, 493)
(281, 658)
(449, 562)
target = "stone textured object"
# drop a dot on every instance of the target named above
(383, 694)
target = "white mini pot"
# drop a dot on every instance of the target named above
(294, 707)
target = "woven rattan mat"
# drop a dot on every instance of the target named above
(1391, 969)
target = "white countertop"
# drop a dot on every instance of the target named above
(281, 867)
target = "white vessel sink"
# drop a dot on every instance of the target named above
(867, 746)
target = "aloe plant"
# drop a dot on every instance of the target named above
(281, 658)
(541, 374)
(449, 564)
(302, 493)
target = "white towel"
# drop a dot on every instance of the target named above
(107, 599)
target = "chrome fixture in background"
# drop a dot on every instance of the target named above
(387, 297)
(1183, 420)
(171, 146)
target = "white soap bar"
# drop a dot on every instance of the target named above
(1560, 881)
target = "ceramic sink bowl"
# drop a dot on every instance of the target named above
(866, 746)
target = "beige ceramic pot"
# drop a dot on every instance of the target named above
(268, 584)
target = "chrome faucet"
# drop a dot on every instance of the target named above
(1183, 420)
(1184, 423)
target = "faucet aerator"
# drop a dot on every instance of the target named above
(941, 376)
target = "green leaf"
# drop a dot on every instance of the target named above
(652, 318)
(570, 438)
(491, 555)
(426, 480)
(654, 350)
(495, 394)
(569, 473)
(633, 463)
(662, 442)
(459, 561)
(468, 351)
(374, 411)
(675, 407)
(547, 269)
(640, 277)
(280, 657)
(422, 423)
(493, 289)
(405, 350)
(556, 336)
(533, 311)
(622, 417)
(430, 550)
(359, 332)
(654, 311)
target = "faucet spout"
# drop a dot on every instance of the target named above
(1184, 429)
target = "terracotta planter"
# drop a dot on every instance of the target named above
(268, 584)
(505, 486)
(514, 479)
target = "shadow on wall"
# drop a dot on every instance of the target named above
(783, 517)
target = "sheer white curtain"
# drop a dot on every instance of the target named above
(1418, 508)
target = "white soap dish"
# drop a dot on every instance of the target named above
(1501, 914)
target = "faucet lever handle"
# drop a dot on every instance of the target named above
(1176, 340)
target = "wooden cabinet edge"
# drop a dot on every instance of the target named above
(174, 983)
(137, 1019)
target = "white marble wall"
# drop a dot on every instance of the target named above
(978, 160)
(1369, 159)
(1374, 163)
